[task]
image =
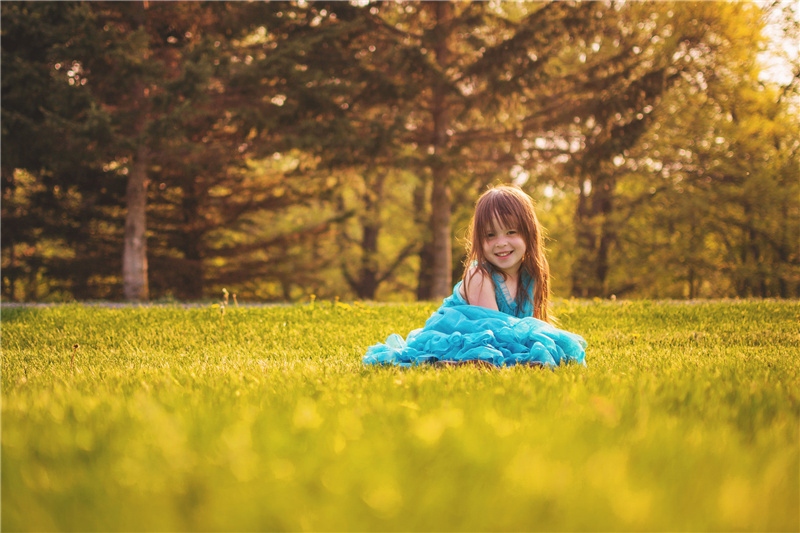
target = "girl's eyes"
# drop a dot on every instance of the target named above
(509, 232)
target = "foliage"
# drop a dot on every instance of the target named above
(711, 196)
(337, 148)
(173, 418)
(60, 208)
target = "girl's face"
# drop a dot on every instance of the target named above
(504, 248)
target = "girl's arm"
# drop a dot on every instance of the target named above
(479, 289)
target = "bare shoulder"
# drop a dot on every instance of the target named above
(475, 274)
(478, 288)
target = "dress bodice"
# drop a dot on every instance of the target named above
(506, 302)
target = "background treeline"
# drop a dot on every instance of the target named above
(169, 149)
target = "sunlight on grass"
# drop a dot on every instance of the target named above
(685, 418)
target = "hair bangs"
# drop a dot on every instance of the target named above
(504, 208)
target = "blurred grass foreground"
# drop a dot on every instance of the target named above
(167, 418)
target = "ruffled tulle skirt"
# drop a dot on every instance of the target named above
(470, 333)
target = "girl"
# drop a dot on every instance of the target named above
(498, 313)
(506, 266)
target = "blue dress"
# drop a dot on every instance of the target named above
(459, 332)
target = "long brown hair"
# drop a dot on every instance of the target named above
(513, 209)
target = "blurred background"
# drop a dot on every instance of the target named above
(164, 151)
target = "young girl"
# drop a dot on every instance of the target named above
(498, 313)
(506, 255)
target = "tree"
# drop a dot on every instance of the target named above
(632, 69)
(336, 148)
(708, 199)
(144, 93)
(59, 220)
(439, 63)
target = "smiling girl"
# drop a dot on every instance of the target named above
(498, 313)
(507, 267)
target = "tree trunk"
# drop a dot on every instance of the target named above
(426, 251)
(584, 242)
(368, 278)
(594, 237)
(134, 255)
(192, 279)
(441, 274)
(603, 209)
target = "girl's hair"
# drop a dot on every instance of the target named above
(513, 209)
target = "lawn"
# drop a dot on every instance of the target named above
(685, 417)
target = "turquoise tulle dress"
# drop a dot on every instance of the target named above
(459, 332)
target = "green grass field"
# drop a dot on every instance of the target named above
(686, 417)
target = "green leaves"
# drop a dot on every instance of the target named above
(328, 123)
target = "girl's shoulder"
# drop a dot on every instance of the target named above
(478, 287)
(476, 274)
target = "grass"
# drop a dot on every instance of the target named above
(686, 417)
